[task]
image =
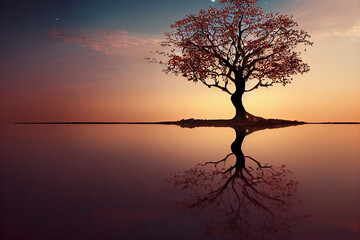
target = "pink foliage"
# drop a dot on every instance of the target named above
(234, 44)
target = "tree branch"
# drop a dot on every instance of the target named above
(216, 163)
(257, 162)
(260, 84)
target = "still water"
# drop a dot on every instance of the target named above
(166, 182)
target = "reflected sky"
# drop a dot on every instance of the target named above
(107, 182)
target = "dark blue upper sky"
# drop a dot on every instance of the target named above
(140, 15)
(137, 16)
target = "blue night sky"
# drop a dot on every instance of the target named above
(138, 15)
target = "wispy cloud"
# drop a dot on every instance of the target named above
(105, 41)
(329, 18)
(352, 32)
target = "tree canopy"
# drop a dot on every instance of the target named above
(236, 44)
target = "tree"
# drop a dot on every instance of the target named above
(233, 47)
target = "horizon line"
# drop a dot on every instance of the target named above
(148, 123)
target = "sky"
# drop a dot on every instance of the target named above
(85, 61)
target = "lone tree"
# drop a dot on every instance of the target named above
(237, 44)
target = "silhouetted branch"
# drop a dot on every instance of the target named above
(260, 84)
(217, 162)
(257, 162)
(216, 84)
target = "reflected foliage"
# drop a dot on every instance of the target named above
(245, 199)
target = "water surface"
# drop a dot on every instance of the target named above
(127, 182)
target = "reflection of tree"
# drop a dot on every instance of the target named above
(246, 199)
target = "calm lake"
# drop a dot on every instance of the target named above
(151, 182)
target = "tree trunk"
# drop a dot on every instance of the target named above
(236, 98)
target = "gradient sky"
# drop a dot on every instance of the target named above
(85, 61)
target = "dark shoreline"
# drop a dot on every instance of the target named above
(192, 123)
(133, 123)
